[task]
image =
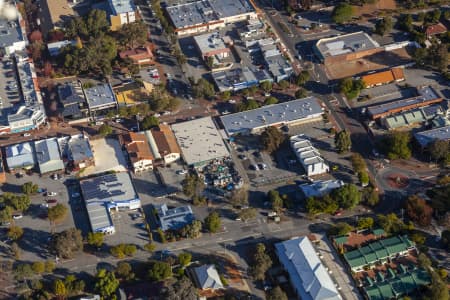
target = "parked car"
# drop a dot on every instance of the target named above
(17, 216)
(262, 166)
(254, 167)
(49, 201)
(50, 194)
(27, 134)
(181, 172)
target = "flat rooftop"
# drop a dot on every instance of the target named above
(100, 96)
(271, 114)
(428, 136)
(199, 140)
(174, 218)
(121, 6)
(10, 33)
(348, 43)
(209, 42)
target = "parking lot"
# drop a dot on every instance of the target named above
(9, 94)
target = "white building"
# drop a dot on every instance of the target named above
(308, 156)
(307, 274)
(48, 156)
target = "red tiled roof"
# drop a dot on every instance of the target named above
(436, 29)
(137, 54)
(137, 146)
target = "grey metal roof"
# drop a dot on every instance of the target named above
(72, 99)
(352, 42)
(10, 33)
(48, 157)
(174, 218)
(100, 96)
(79, 148)
(271, 114)
(428, 136)
(199, 141)
(121, 6)
(208, 277)
(209, 41)
(20, 156)
(320, 187)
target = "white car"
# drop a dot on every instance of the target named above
(181, 172)
(27, 134)
(50, 194)
(17, 217)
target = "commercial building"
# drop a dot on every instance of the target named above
(378, 252)
(163, 144)
(13, 37)
(174, 218)
(320, 188)
(412, 117)
(385, 77)
(424, 138)
(206, 277)
(200, 141)
(121, 12)
(140, 56)
(79, 152)
(346, 47)
(105, 193)
(211, 44)
(54, 13)
(20, 156)
(208, 15)
(427, 96)
(100, 97)
(73, 104)
(138, 151)
(283, 114)
(48, 156)
(238, 79)
(308, 276)
(55, 47)
(308, 156)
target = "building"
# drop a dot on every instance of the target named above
(48, 156)
(54, 13)
(378, 252)
(20, 156)
(283, 114)
(200, 16)
(308, 156)
(140, 56)
(346, 47)
(385, 77)
(163, 144)
(424, 138)
(79, 152)
(55, 47)
(73, 104)
(308, 276)
(174, 218)
(254, 27)
(2, 171)
(105, 193)
(121, 12)
(412, 117)
(200, 141)
(427, 96)
(435, 29)
(206, 277)
(211, 44)
(320, 188)
(238, 79)
(278, 67)
(100, 97)
(13, 38)
(138, 151)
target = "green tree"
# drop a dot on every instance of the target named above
(106, 284)
(150, 122)
(105, 130)
(398, 145)
(213, 222)
(391, 224)
(180, 289)
(59, 289)
(275, 200)
(150, 247)
(15, 201)
(370, 196)
(417, 238)
(347, 196)
(365, 223)
(192, 230)
(38, 267)
(247, 213)
(66, 243)
(247, 104)
(359, 165)
(210, 62)
(124, 271)
(405, 22)
(203, 88)
(277, 294)
(283, 84)
(342, 13)
(301, 93)
(95, 239)
(383, 26)
(184, 258)
(73, 286)
(15, 233)
(302, 78)
(133, 35)
(193, 185)
(6, 214)
(239, 197)
(159, 270)
(418, 210)
(23, 271)
(266, 86)
(270, 100)
(342, 141)
(271, 139)
(438, 289)
(363, 178)
(351, 88)
(439, 149)
(57, 213)
(261, 262)
(29, 188)
(49, 266)
(341, 228)
(226, 95)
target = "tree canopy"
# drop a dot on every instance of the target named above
(342, 141)
(213, 222)
(342, 13)
(418, 210)
(150, 122)
(57, 213)
(193, 185)
(95, 239)
(271, 139)
(105, 130)
(132, 35)
(29, 188)
(383, 26)
(106, 283)
(159, 270)
(347, 196)
(398, 145)
(275, 200)
(277, 294)
(261, 262)
(66, 243)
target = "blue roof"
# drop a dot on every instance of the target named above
(428, 136)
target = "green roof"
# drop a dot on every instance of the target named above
(340, 240)
(378, 231)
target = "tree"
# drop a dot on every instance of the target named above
(383, 26)
(106, 284)
(365, 223)
(15, 233)
(193, 185)
(49, 266)
(203, 88)
(133, 35)
(341, 228)
(271, 139)
(38, 267)
(57, 213)
(210, 62)
(358, 163)
(351, 88)
(105, 130)
(302, 78)
(59, 289)
(261, 262)
(417, 238)
(423, 261)
(15, 250)
(266, 86)
(283, 84)
(342, 13)
(23, 271)
(347, 196)
(270, 100)
(326, 204)
(73, 286)
(226, 95)
(438, 288)
(95, 239)
(301, 93)
(15, 201)
(6, 214)
(66, 243)
(418, 210)
(439, 149)
(212, 222)
(342, 141)
(159, 270)
(247, 104)
(277, 294)
(363, 178)
(275, 200)
(192, 230)
(150, 122)
(122, 250)
(398, 145)
(405, 22)
(247, 213)
(391, 224)
(370, 196)
(124, 271)
(180, 289)
(239, 197)
(29, 188)
(184, 258)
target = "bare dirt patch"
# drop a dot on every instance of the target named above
(376, 8)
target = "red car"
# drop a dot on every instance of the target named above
(338, 213)
(52, 201)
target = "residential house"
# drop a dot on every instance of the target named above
(79, 152)
(140, 56)
(48, 156)
(20, 156)
(207, 278)
(435, 29)
(163, 144)
(138, 151)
